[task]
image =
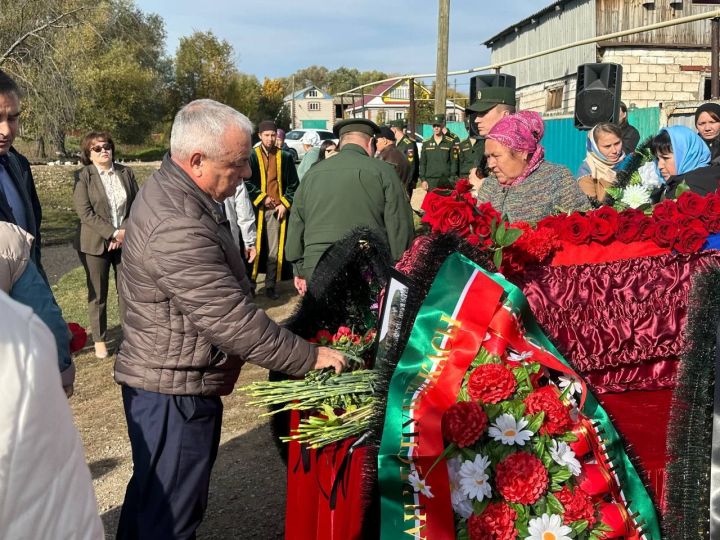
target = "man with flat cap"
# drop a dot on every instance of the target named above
(438, 161)
(408, 147)
(338, 195)
(271, 188)
(492, 104)
(387, 151)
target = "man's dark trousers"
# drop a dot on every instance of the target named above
(174, 442)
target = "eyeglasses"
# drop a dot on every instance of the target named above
(100, 147)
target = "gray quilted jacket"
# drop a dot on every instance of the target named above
(189, 322)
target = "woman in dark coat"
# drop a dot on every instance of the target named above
(707, 123)
(103, 194)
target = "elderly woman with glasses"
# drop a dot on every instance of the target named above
(103, 193)
(522, 185)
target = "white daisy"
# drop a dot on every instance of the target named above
(474, 480)
(635, 196)
(563, 455)
(575, 387)
(419, 485)
(507, 430)
(548, 527)
(519, 357)
(460, 503)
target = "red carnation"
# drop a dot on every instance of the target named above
(464, 423)
(691, 204)
(79, 337)
(576, 229)
(557, 417)
(491, 383)
(497, 522)
(323, 337)
(664, 232)
(690, 240)
(521, 478)
(578, 505)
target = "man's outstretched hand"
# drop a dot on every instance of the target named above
(330, 358)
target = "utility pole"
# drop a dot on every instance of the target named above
(714, 59)
(412, 116)
(442, 56)
(292, 113)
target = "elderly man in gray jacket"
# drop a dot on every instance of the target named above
(189, 322)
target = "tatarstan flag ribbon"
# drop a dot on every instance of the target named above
(464, 301)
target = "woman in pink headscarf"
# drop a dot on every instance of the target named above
(522, 185)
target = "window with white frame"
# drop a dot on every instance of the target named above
(399, 115)
(312, 93)
(313, 106)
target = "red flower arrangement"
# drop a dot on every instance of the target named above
(464, 423)
(578, 505)
(521, 478)
(497, 522)
(491, 383)
(355, 346)
(557, 418)
(79, 337)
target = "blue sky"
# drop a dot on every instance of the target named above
(274, 39)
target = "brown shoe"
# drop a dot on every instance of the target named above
(101, 349)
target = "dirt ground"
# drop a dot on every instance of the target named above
(247, 491)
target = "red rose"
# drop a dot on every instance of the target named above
(690, 240)
(455, 216)
(578, 505)
(79, 337)
(491, 383)
(464, 423)
(552, 222)
(482, 229)
(713, 225)
(691, 204)
(607, 213)
(497, 522)
(488, 213)
(665, 210)
(557, 416)
(431, 206)
(602, 229)
(473, 239)
(462, 186)
(576, 229)
(687, 222)
(630, 226)
(664, 232)
(521, 478)
(712, 207)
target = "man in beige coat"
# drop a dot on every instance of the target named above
(190, 322)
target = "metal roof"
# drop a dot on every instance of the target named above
(532, 19)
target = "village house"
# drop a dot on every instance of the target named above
(310, 108)
(670, 64)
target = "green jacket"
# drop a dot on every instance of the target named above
(409, 147)
(439, 162)
(338, 195)
(471, 156)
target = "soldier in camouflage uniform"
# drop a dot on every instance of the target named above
(439, 160)
(408, 147)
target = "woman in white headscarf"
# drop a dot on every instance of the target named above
(311, 143)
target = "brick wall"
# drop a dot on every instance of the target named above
(650, 77)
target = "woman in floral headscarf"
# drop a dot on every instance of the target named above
(522, 185)
(683, 157)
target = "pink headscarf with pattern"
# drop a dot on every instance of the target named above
(521, 132)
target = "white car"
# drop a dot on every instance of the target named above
(292, 139)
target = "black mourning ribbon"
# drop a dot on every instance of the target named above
(715, 451)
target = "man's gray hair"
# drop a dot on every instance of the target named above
(200, 126)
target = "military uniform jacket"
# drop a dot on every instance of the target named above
(337, 195)
(471, 156)
(409, 147)
(438, 162)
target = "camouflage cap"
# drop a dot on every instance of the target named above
(488, 97)
(360, 125)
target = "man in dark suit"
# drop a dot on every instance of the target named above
(387, 151)
(19, 203)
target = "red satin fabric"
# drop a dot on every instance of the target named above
(620, 314)
(594, 253)
(308, 515)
